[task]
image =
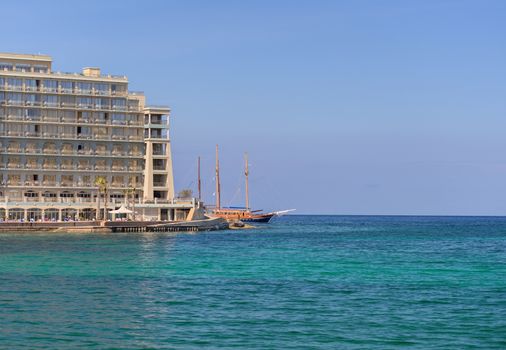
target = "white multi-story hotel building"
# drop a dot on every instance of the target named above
(60, 132)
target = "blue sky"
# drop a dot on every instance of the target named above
(345, 107)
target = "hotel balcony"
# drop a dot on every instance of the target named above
(63, 91)
(72, 121)
(64, 152)
(73, 106)
(71, 168)
(46, 135)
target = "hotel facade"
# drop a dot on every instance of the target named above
(63, 133)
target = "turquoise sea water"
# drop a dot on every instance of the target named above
(329, 282)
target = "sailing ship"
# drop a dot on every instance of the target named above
(244, 214)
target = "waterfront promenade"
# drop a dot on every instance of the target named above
(116, 226)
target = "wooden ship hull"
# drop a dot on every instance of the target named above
(242, 215)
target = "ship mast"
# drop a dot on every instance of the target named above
(199, 184)
(246, 174)
(218, 204)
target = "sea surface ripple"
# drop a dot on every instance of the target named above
(327, 282)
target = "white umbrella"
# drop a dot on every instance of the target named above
(121, 210)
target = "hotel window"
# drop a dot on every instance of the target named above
(15, 98)
(66, 164)
(158, 119)
(117, 195)
(84, 194)
(118, 180)
(50, 115)
(100, 165)
(30, 85)
(66, 86)
(15, 113)
(101, 150)
(31, 194)
(133, 165)
(31, 147)
(118, 118)
(84, 88)
(13, 162)
(49, 163)
(159, 164)
(83, 131)
(13, 179)
(118, 133)
(49, 180)
(84, 102)
(132, 119)
(32, 130)
(159, 149)
(117, 165)
(34, 177)
(102, 103)
(101, 89)
(31, 99)
(100, 132)
(6, 66)
(50, 131)
(32, 114)
(100, 117)
(67, 116)
(51, 85)
(67, 180)
(159, 133)
(133, 105)
(132, 181)
(67, 101)
(2, 82)
(118, 89)
(14, 146)
(119, 104)
(23, 67)
(159, 180)
(40, 69)
(50, 100)
(136, 133)
(86, 180)
(15, 84)
(117, 150)
(68, 131)
(67, 148)
(84, 117)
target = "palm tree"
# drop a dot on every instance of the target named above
(101, 183)
(131, 191)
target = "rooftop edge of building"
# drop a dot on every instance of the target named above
(25, 57)
(154, 109)
(87, 73)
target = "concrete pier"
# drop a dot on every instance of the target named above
(116, 226)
